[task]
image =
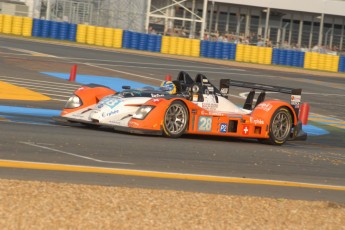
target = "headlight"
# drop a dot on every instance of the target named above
(73, 102)
(142, 112)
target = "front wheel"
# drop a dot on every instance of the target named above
(280, 127)
(175, 119)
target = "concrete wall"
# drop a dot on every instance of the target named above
(333, 7)
(13, 9)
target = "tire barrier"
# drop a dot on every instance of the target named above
(96, 35)
(46, 27)
(180, 46)
(108, 37)
(187, 48)
(134, 43)
(99, 36)
(195, 52)
(27, 27)
(1, 22)
(36, 27)
(54, 31)
(165, 44)
(288, 57)
(72, 32)
(219, 50)
(126, 39)
(7, 24)
(141, 41)
(64, 30)
(342, 64)
(90, 35)
(50, 29)
(17, 25)
(81, 33)
(317, 61)
(253, 54)
(118, 38)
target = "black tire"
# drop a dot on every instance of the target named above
(280, 127)
(175, 119)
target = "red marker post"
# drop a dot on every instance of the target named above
(73, 73)
(304, 113)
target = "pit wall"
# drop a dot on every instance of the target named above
(118, 38)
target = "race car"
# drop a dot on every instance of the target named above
(187, 106)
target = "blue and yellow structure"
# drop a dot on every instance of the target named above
(118, 38)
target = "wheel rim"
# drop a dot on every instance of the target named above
(175, 119)
(281, 126)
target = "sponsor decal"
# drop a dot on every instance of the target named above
(108, 114)
(116, 122)
(264, 106)
(157, 95)
(211, 113)
(256, 121)
(223, 128)
(245, 130)
(204, 80)
(209, 106)
(205, 124)
(157, 100)
(110, 102)
(295, 99)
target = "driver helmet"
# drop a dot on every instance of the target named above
(169, 87)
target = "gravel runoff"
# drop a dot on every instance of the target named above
(46, 205)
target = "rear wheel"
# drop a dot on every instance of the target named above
(175, 119)
(280, 127)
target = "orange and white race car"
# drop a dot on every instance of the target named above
(187, 106)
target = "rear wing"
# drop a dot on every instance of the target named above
(296, 94)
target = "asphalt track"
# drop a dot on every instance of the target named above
(34, 147)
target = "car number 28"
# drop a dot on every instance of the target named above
(205, 124)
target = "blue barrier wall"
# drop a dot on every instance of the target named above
(54, 30)
(288, 57)
(72, 32)
(36, 27)
(64, 29)
(342, 64)
(141, 41)
(219, 50)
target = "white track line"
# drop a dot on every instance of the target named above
(48, 82)
(153, 64)
(75, 155)
(30, 52)
(162, 68)
(118, 71)
(43, 88)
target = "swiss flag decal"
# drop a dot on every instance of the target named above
(245, 130)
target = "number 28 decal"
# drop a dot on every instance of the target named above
(205, 124)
